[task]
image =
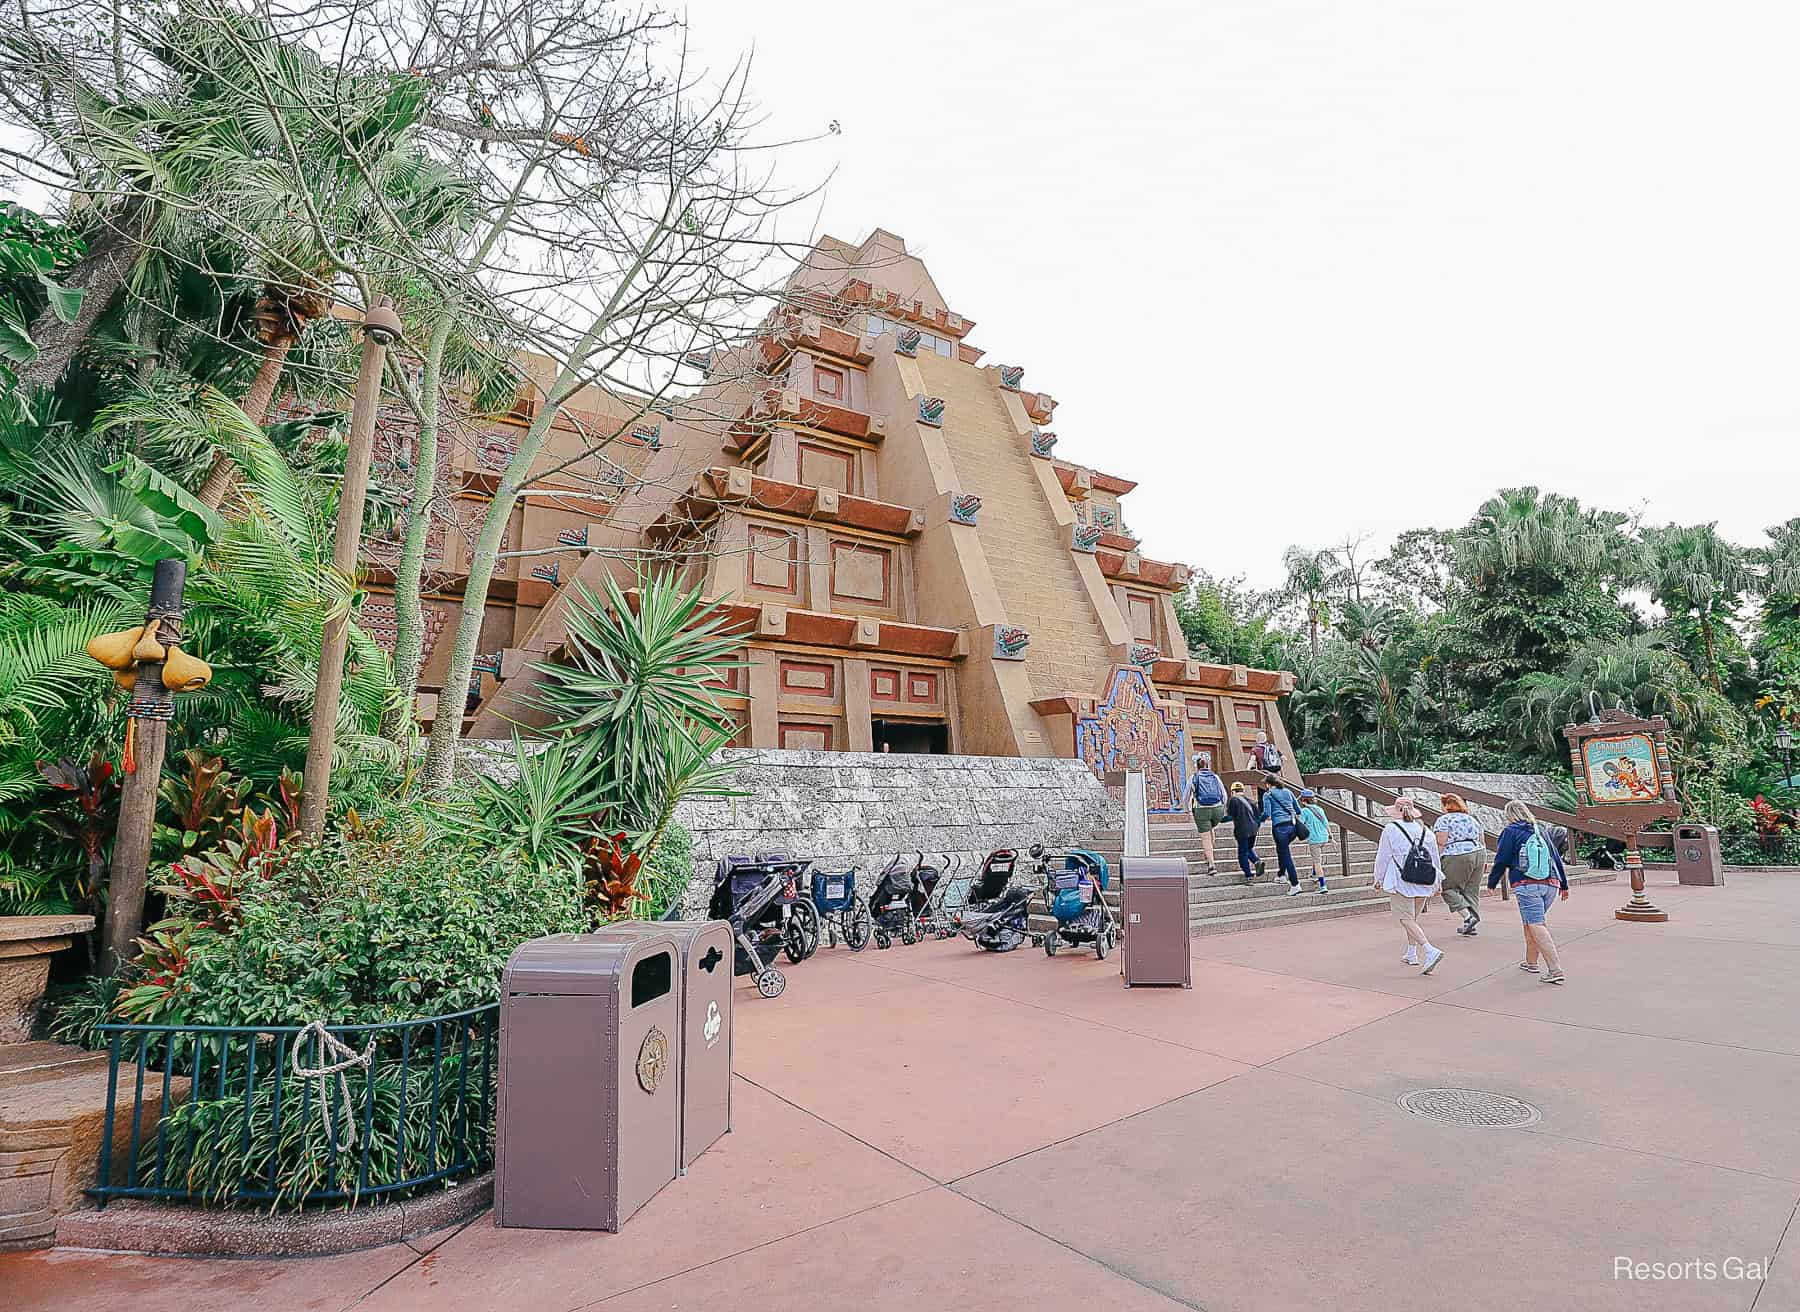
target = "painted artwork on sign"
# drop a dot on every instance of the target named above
(1621, 768)
(1129, 731)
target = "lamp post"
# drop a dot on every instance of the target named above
(1784, 743)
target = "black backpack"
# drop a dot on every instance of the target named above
(1416, 866)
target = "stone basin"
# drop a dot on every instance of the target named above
(26, 945)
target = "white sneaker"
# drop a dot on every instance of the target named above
(1411, 958)
(1294, 891)
(1432, 957)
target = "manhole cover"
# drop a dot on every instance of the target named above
(1470, 1107)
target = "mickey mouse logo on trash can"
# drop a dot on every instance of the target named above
(652, 1059)
(714, 1023)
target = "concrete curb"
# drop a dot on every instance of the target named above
(180, 1230)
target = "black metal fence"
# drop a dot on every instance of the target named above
(277, 1115)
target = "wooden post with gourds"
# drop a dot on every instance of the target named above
(149, 663)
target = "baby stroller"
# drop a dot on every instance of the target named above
(842, 908)
(760, 898)
(947, 898)
(1074, 882)
(994, 916)
(901, 899)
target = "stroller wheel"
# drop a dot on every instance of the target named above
(771, 983)
(793, 942)
(1050, 944)
(911, 932)
(883, 940)
(857, 923)
(803, 932)
(1103, 943)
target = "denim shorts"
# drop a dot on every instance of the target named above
(1534, 901)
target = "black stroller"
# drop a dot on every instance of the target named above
(842, 908)
(995, 913)
(761, 899)
(901, 899)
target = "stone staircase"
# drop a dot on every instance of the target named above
(1223, 903)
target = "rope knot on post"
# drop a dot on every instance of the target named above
(339, 1057)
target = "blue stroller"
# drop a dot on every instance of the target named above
(1074, 884)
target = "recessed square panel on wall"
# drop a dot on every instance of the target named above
(1143, 616)
(824, 466)
(1249, 715)
(773, 553)
(922, 687)
(861, 572)
(805, 735)
(884, 684)
(809, 678)
(1203, 710)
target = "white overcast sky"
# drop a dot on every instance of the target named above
(1308, 268)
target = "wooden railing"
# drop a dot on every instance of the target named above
(1548, 814)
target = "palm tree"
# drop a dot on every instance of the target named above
(1367, 625)
(1776, 568)
(1695, 574)
(1309, 575)
(1640, 672)
(1522, 533)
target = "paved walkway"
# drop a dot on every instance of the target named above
(936, 1128)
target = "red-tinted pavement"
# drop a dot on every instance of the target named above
(934, 1127)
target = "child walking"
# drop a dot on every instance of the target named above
(1318, 834)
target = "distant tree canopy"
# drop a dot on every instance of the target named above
(1470, 648)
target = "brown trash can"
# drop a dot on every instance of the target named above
(589, 1109)
(705, 1025)
(1698, 859)
(1154, 907)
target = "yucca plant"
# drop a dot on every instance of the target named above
(637, 696)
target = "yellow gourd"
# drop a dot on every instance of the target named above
(148, 650)
(126, 678)
(113, 650)
(185, 673)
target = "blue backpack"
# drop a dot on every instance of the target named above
(1534, 857)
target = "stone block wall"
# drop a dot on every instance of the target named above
(861, 808)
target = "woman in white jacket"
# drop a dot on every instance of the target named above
(1407, 837)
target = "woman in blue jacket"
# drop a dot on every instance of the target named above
(1282, 810)
(1527, 856)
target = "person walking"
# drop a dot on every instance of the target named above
(1407, 870)
(1460, 855)
(1282, 810)
(1244, 824)
(1531, 863)
(1318, 834)
(1206, 795)
(1265, 755)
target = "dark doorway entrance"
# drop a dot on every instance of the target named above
(920, 737)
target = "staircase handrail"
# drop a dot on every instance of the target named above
(1543, 811)
(1351, 782)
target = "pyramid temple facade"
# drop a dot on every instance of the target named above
(917, 558)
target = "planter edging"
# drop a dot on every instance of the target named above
(182, 1230)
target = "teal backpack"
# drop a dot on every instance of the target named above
(1534, 857)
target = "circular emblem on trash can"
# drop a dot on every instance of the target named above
(653, 1059)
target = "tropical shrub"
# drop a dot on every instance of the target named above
(378, 922)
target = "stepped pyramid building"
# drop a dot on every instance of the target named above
(919, 563)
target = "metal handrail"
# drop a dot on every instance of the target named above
(222, 1121)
